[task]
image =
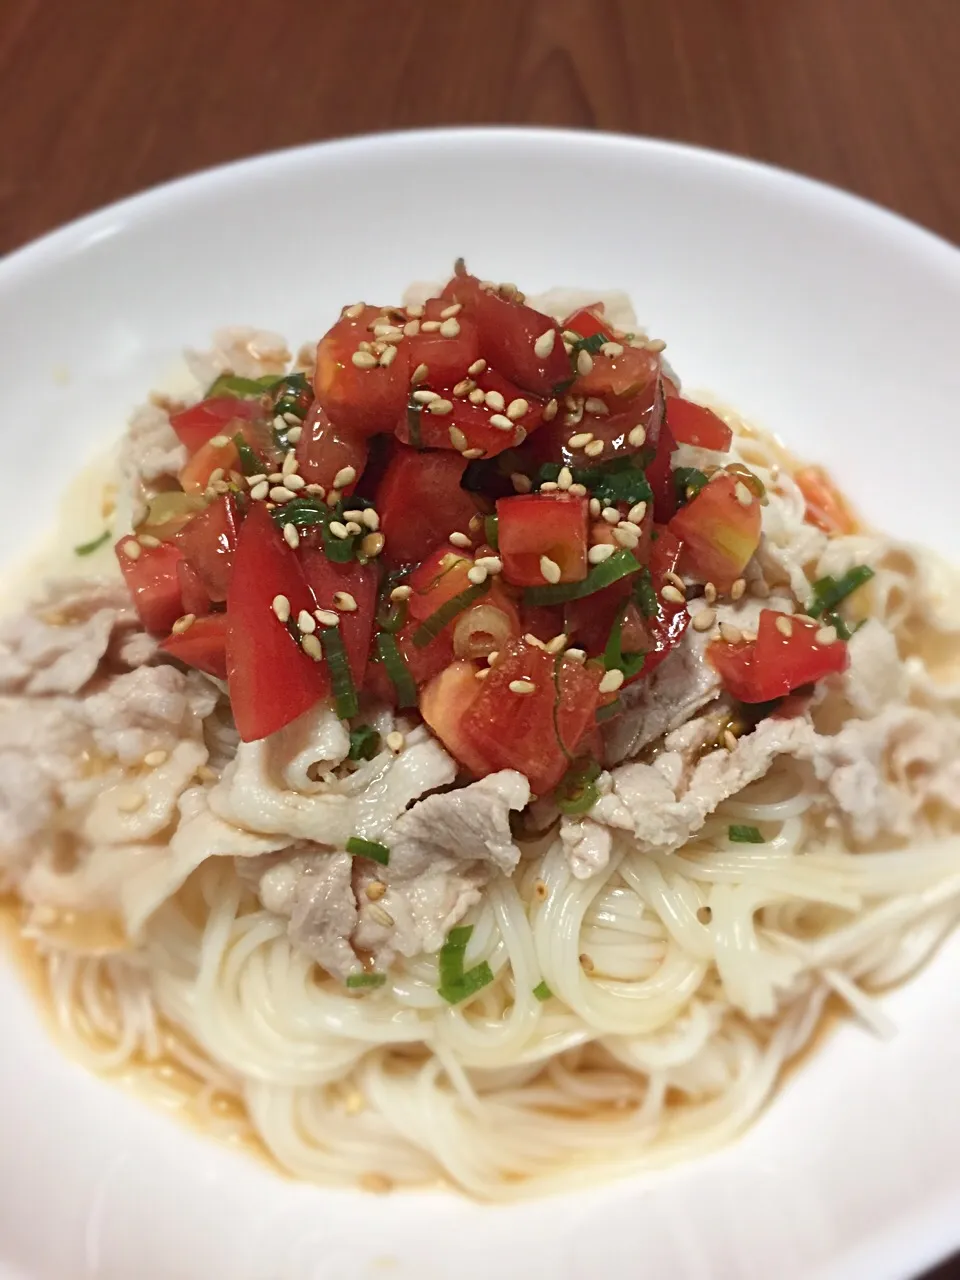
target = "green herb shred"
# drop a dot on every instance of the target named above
(613, 655)
(364, 742)
(250, 464)
(645, 595)
(397, 669)
(491, 531)
(88, 548)
(372, 849)
(455, 984)
(577, 792)
(618, 566)
(341, 679)
(828, 592)
(357, 981)
(229, 384)
(430, 628)
(745, 835)
(618, 480)
(591, 344)
(689, 481)
(542, 991)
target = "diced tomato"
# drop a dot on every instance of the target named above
(670, 621)
(325, 578)
(719, 531)
(827, 508)
(538, 732)
(151, 578)
(785, 656)
(589, 321)
(532, 526)
(325, 449)
(660, 477)
(589, 621)
(208, 542)
(462, 287)
(271, 680)
(467, 426)
(361, 401)
(694, 424)
(620, 379)
(444, 703)
(542, 621)
(508, 332)
(210, 457)
(447, 359)
(440, 577)
(193, 593)
(421, 503)
(219, 416)
(202, 645)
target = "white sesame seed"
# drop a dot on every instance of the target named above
(550, 569)
(388, 357)
(729, 739)
(550, 410)
(584, 362)
(387, 331)
(460, 539)
(738, 589)
(709, 593)
(744, 496)
(294, 434)
(450, 328)
(411, 328)
(481, 674)
(492, 564)
(259, 491)
(464, 387)
(516, 409)
(611, 349)
(457, 439)
(312, 647)
(327, 617)
(637, 512)
(549, 486)
(430, 326)
(296, 482)
(576, 655)
(537, 643)
(593, 404)
(184, 623)
(353, 527)
(281, 607)
(355, 310)
(578, 490)
(675, 578)
(441, 407)
(402, 592)
(338, 530)
(472, 453)
(594, 448)
(333, 497)
(364, 359)
(784, 625)
(611, 681)
(476, 396)
(291, 536)
(132, 549)
(424, 396)
(278, 423)
(477, 367)
(495, 400)
(730, 633)
(611, 515)
(154, 759)
(558, 643)
(130, 799)
(419, 374)
(637, 437)
(353, 514)
(600, 551)
(280, 493)
(219, 441)
(626, 538)
(522, 686)
(594, 506)
(396, 741)
(673, 594)
(520, 482)
(493, 657)
(826, 635)
(306, 622)
(477, 575)
(371, 518)
(276, 477)
(501, 422)
(704, 620)
(345, 476)
(454, 309)
(564, 478)
(415, 309)
(344, 601)
(253, 481)
(543, 346)
(580, 440)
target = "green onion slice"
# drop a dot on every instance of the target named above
(341, 679)
(542, 991)
(397, 669)
(645, 595)
(618, 566)
(689, 481)
(356, 981)
(373, 849)
(577, 792)
(491, 531)
(613, 655)
(745, 835)
(230, 384)
(450, 609)
(391, 615)
(364, 742)
(249, 462)
(455, 984)
(88, 548)
(829, 592)
(474, 980)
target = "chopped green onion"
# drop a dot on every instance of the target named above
(229, 384)
(577, 792)
(341, 678)
(591, 344)
(397, 669)
(364, 742)
(542, 991)
(455, 985)
(450, 609)
(292, 394)
(474, 980)
(391, 615)
(372, 849)
(645, 595)
(613, 655)
(355, 981)
(617, 566)
(491, 531)
(88, 548)
(829, 591)
(304, 512)
(413, 422)
(609, 711)
(689, 481)
(249, 462)
(839, 625)
(745, 835)
(617, 480)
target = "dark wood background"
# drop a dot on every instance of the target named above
(101, 98)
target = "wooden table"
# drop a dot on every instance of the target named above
(102, 98)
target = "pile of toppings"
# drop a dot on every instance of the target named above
(470, 511)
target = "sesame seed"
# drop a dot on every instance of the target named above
(458, 439)
(522, 686)
(450, 328)
(291, 536)
(295, 482)
(673, 594)
(626, 537)
(637, 437)
(784, 625)
(132, 549)
(401, 593)
(611, 681)
(637, 512)
(253, 481)
(520, 482)
(593, 404)
(353, 527)
(611, 515)
(464, 387)
(543, 345)
(386, 919)
(375, 890)
(501, 422)
(355, 310)
(306, 622)
(184, 624)
(364, 346)
(675, 578)
(218, 442)
(744, 496)
(595, 506)
(327, 617)
(738, 588)
(130, 799)
(411, 328)
(493, 658)
(396, 741)
(364, 359)
(430, 326)
(578, 656)
(704, 620)
(333, 497)
(477, 575)
(454, 309)
(280, 493)
(730, 633)
(495, 400)
(481, 674)
(415, 309)
(345, 476)
(338, 530)
(276, 477)
(472, 453)
(611, 349)
(600, 551)
(578, 490)
(549, 486)
(729, 740)
(537, 643)
(475, 523)
(312, 647)
(387, 331)
(594, 448)
(580, 440)
(492, 564)
(517, 408)
(294, 434)
(550, 410)
(558, 643)
(476, 396)
(584, 362)
(353, 515)
(387, 357)
(370, 518)
(344, 601)
(550, 569)
(565, 478)
(148, 540)
(826, 635)
(710, 593)
(419, 374)
(440, 406)
(460, 540)
(477, 367)
(424, 396)
(281, 607)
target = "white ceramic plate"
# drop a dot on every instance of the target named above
(817, 315)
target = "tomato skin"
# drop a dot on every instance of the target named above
(548, 524)
(660, 477)
(219, 416)
(826, 506)
(362, 402)
(542, 621)
(193, 593)
(697, 425)
(153, 584)
(208, 542)
(421, 503)
(447, 359)
(202, 645)
(462, 287)
(508, 331)
(325, 578)
(719, 533)
(620, 379)
(271, 680)
(589, 321)
(444, 702)
(324, 449)
(437, 579)
(671, 620)
(536, 733)
(775, 664)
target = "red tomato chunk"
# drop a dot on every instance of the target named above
(694, 424)
(152, 580)
(202, 645)
(785, 655)
(720, 529)
(534, 526)
(421, 503)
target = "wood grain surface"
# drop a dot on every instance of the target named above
(101, 98)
